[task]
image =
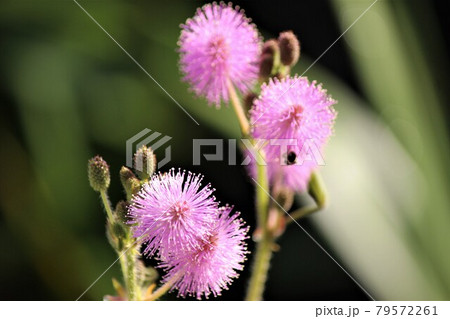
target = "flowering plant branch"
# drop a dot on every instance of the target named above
(171, 217)
(220, 50)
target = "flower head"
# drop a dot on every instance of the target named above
(172, 211)
(289, 48)
(213, 265)
(98, 173)
(217, 46)
(296, 117)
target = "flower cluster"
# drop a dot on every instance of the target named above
(219, 47)
(198, 243)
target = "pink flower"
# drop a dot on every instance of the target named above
(296, 117)
(219, 44)
(213, 265)
(172, 211)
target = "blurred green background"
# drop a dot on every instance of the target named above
(68, 92)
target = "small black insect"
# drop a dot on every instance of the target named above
(290, 158)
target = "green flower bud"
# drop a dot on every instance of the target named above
(144, 162)
(121, 211)
(317, 190)
(130, 183)
(289, 48)
(117, 234)
(98, 173)
(120, 233)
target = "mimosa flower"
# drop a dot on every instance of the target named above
(301, 115)
(218, 46)
(172, 211)
(213, 265)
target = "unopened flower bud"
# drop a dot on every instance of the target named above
(289, 48)
(121, 211)
(271, 47)
(144, 162)
(279, 75)
(248, 100)
(316, 190)
(130, 183)
(98, 173)
(120, 234)
(266, 65)
(117, 235)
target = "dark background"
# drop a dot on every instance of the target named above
(67, 93)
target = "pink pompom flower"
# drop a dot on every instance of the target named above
(218, 46)
(171, 212)
(296, 118)
(213, 265)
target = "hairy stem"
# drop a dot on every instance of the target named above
(261, 265)
(128, 267)
(133, 288)
(107, 205)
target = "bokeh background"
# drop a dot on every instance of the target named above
(67, 93)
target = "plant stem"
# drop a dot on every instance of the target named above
(133, 289)
(238, 109)
(261, 262)
(262, 199)
(261, 265)
(164, 288)
(128, 266)
(318, 192)
(300, 213)
(107, 205)
(263, 254)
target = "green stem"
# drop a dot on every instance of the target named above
(317, 190)
(300, 213)
(261, 262)
(133, 289)
(124, 268)
(261, 265)
(128, 266)
(262, 199)
(107, 205)
(238, 109)
(263, 254)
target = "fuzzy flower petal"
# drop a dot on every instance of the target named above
(297, 119)
(171, 211)
(219, 44)
(214, 264)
